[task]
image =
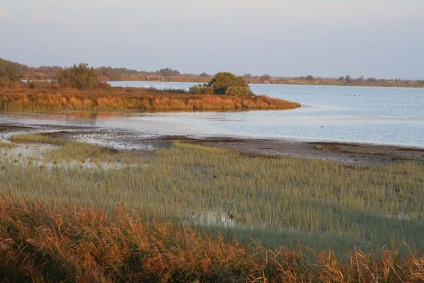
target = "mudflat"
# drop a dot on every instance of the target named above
(346, 153)
(350, 153)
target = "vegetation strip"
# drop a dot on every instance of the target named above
(45, 97)
(274, 200)
(45, 242)
(16, 71)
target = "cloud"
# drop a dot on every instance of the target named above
(4, 12)
(44, 18)
(37, 17)
(67, 20)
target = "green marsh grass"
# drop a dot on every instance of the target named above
(274, 200)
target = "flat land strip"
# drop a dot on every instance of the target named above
(43, 97)
(348, 153)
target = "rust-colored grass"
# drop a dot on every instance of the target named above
(48, 97)
(51, 243)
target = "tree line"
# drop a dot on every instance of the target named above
(83, 77)
(14, 71)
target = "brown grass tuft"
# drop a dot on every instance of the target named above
(46, 242)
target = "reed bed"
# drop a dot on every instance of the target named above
(50, 98)
(46, 242)
(274, 200)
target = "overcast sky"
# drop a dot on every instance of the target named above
(328, 38)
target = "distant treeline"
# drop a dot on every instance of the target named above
(106, 73)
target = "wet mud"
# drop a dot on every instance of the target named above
(346, 153)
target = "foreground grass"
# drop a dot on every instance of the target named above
(48, 97)
(62, 243)
(274, 200)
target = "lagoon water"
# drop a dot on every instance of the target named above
(393, 116)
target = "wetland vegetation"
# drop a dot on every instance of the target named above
(79, 89)
(183, 196)
(42, 97)
(71, 211)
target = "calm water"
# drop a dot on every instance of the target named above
(329, 113)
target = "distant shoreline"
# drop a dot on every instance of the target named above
(273, 81)
(296, 81)
(17, 71)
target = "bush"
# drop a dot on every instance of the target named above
(10, 70)
(265, 78)
(201, 89)
(238, 91)
(80, 77)
(224, 83)
(223, 80)
(168, 72)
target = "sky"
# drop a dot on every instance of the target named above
(327, 38)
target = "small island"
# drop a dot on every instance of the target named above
(80, 88)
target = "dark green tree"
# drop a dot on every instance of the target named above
(80, 77)
(224, 83)
(223, 80)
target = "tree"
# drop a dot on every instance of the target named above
(264, 78)
(224, 83)
(348, 79)
(109, 73)
(168, 72)
(10, 70)
(223, 80)
(80, 77)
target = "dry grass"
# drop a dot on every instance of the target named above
(46, 97)
(47, 242)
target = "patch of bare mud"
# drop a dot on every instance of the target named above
(346, 153)
(360, 154)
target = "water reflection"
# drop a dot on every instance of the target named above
(63, 118)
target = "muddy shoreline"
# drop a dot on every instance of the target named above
(346, 153)
(350, 153)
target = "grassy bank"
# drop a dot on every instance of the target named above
(275, 200)
(78, 212)
(48, 97)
